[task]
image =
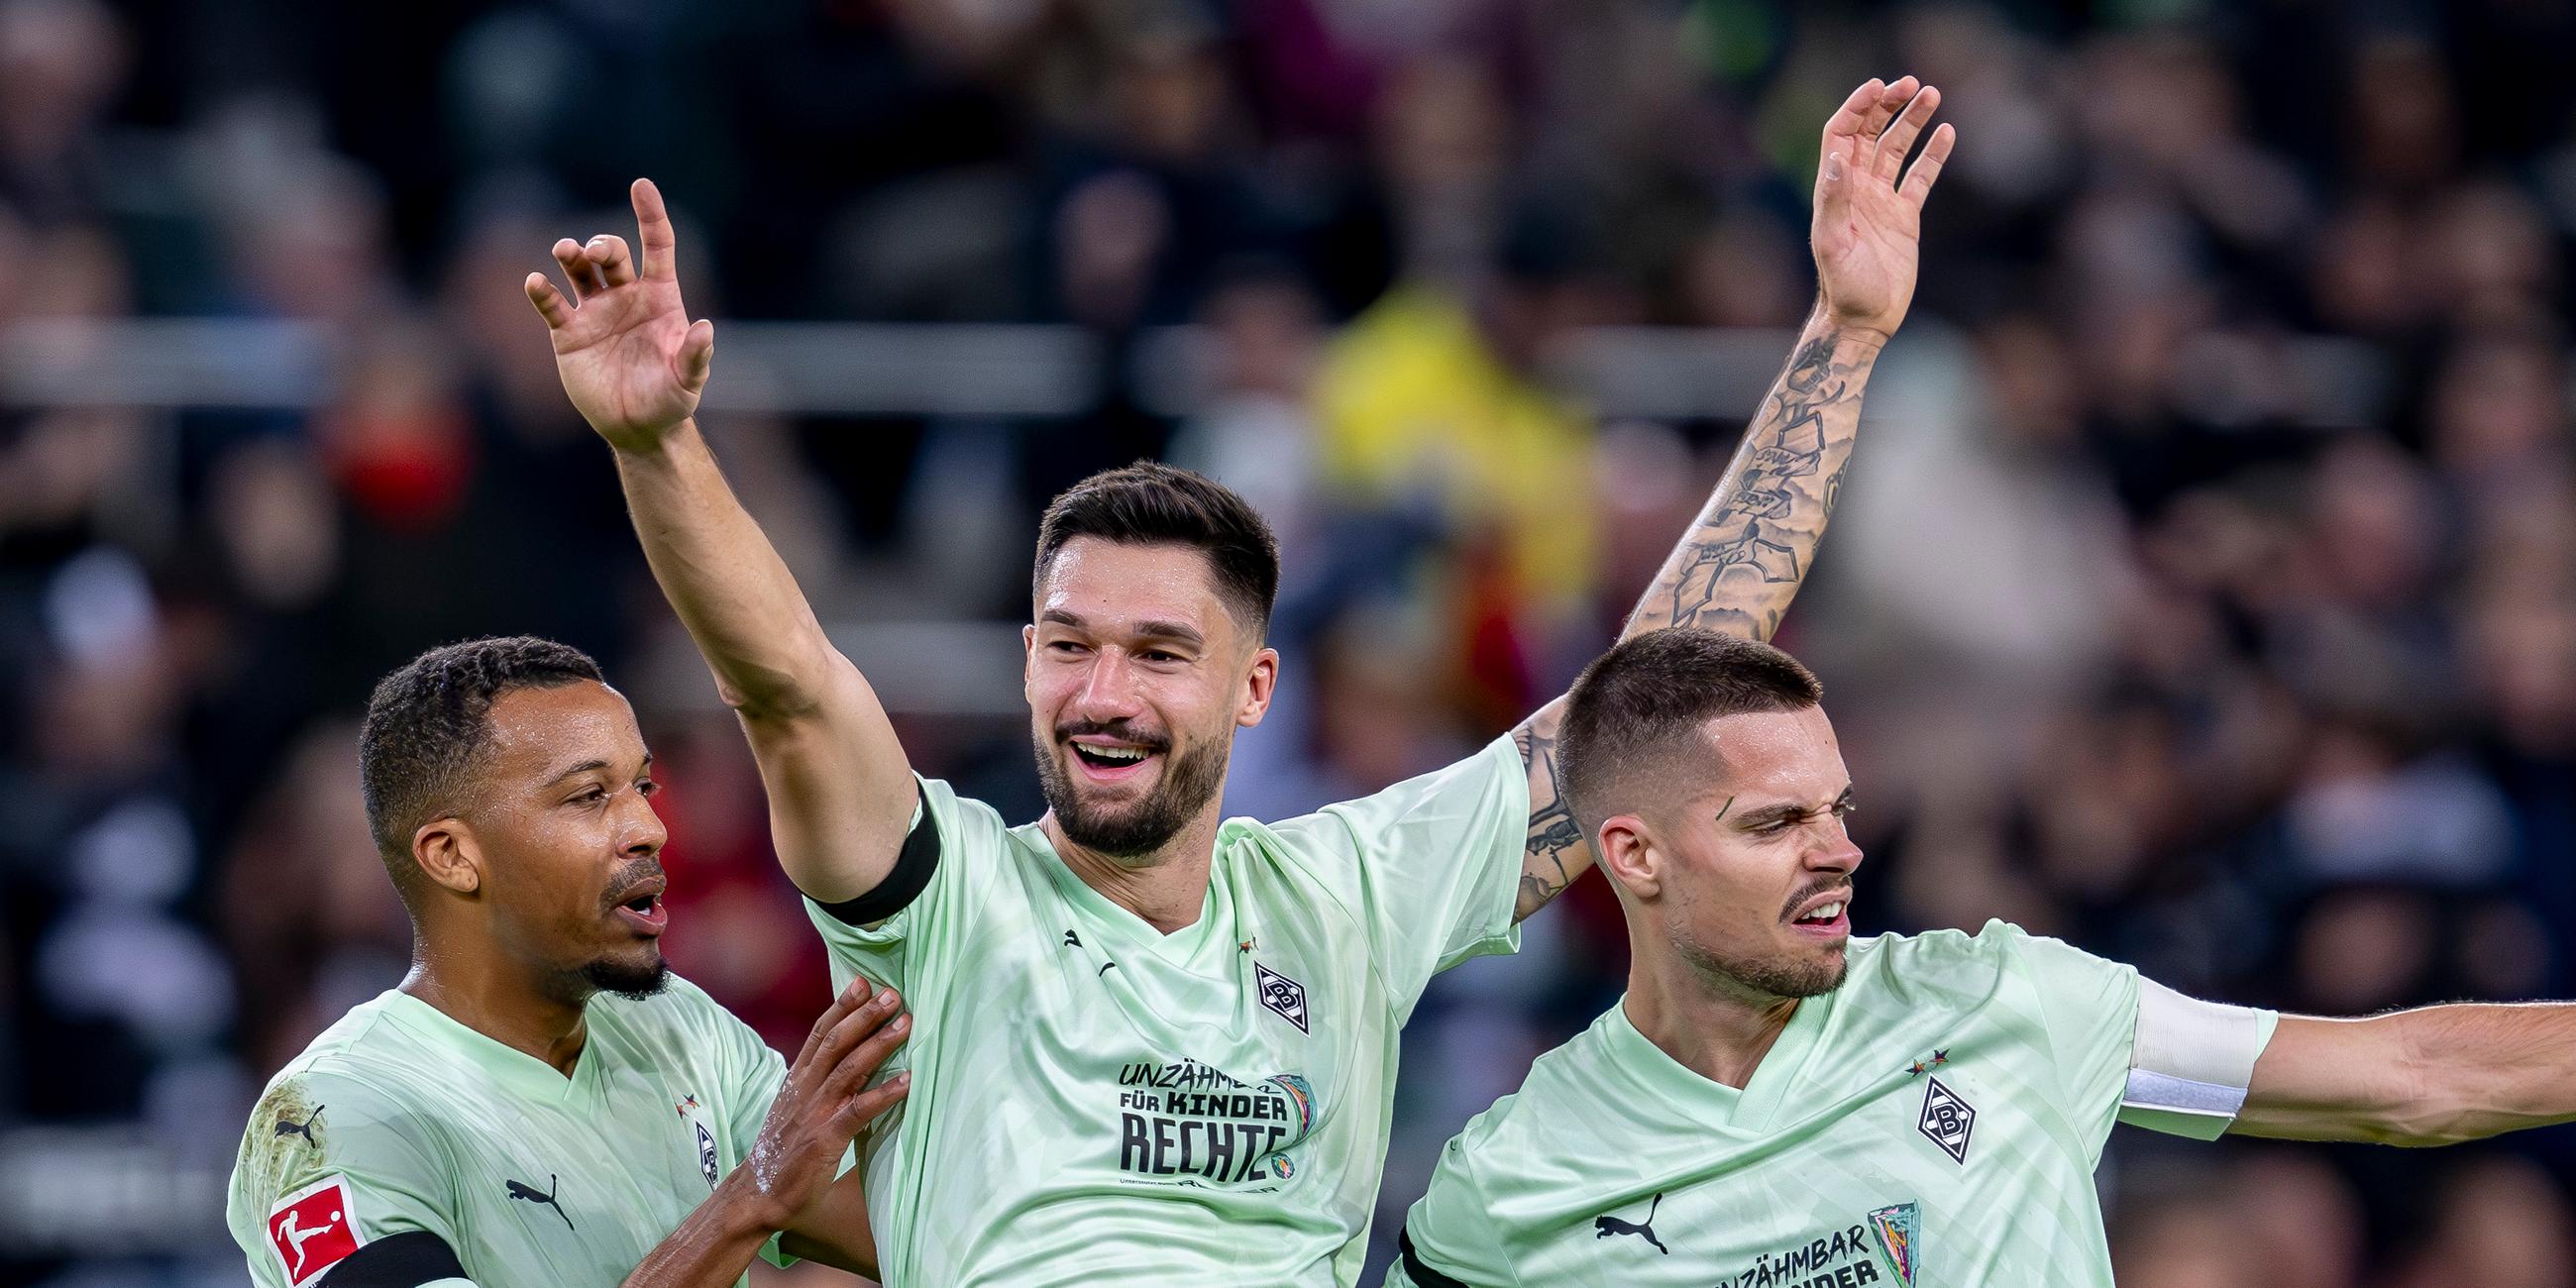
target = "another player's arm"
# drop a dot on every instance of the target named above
(786, 1181)
(841, 793)
(2433, 1076)
(1746, 554)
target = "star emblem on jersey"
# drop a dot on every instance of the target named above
(1899, 1230)
(1919, 1067)
(1605, 1225)
(686, 1104)
(1946, 1120)
(1285, 997)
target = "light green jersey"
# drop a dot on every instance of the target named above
(399, 1121)
(1094, 1100)
(1933, 1123)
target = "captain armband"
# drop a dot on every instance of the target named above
(2191, 1063)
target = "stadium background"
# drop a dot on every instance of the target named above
(2206, 595)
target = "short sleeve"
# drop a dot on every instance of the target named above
(963, 841)
(1434, 863)
(1449, 1240)
(332, 1169)
(2089, 1009)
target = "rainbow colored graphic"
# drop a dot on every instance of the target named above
(1899, 1229)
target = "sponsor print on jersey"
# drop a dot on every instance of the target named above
(313, 1229)
(1192, 1124)
(1899, 1231)
(1842, 1259)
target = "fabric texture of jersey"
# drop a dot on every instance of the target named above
(400, 1119)
(1093, 1099)
(1933, 1123)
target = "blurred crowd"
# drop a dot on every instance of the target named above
(2205, 595)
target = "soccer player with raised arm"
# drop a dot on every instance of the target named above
(1775, 1104)
(540, 1101)
(1150, 1041)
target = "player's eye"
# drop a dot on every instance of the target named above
(591, 795)
(1158, 655)
(646, 786)
(1066, 648)
(1846, 807)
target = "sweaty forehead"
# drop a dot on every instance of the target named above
(1114, 584)
(539, 732)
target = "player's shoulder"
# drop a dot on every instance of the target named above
(1567, 1087)
(1937, 963)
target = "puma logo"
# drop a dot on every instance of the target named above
(1605, 1226)
(519, 1190)
(290, 1127)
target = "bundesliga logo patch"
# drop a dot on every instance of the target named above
(1285, 997)
(312, 1230)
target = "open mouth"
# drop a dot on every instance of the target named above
(1828, 916)
(643, 909)
(1111, 761)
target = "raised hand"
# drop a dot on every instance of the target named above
(628, 354)
(1869, 205)
(824, 1102)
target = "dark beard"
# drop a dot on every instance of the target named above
(1769, 978)
(1190, 780)
(632, 981)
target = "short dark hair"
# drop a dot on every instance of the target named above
(1149, 503)
(427, 720)
(1648, 699)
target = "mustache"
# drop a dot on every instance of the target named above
(1790, 909)
(627, 878)
(1124, 731)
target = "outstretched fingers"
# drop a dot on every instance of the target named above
(653, 232)
(577, 269)
(1902, 132)
(858, 994)
(1892, 98)
(551, 305)
(1926, 169)
(1851, 120)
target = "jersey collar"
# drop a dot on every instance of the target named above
(524, 1074)
(1117, 923)
(1705, 1099)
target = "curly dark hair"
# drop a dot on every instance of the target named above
(1149, 503)
(427, 720)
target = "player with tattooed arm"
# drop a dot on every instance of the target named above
(1775, 1104)
(1151, 1041)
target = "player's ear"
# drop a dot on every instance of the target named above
(447, 854)
(1258, 687)
(1629, 855)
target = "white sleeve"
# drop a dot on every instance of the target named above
(2192, 1062)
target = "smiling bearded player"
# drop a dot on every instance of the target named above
(1152, 1041)
(541, 1102)
(1775, 1103)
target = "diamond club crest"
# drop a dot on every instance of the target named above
(1285, 997)
(1946, 1119)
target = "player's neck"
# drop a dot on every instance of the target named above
(485, 995)
(1167, 889)
(1721, 1034)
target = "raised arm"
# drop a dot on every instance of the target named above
(2434, 1076)
(840, 791)
(1746, 554)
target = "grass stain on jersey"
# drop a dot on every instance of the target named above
(288, 1137)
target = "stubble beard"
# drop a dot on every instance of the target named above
(1776, 977)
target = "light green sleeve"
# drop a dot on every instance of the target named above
(2089, 1009)
(1450, 1234)
(929, 928)
(389, 1162)
(753, 1072)
(1432, 865)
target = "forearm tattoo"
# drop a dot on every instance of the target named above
(1746, 554)
(1557, 852)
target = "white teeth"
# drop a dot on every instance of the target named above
(1115, 753)
(1826, 912)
